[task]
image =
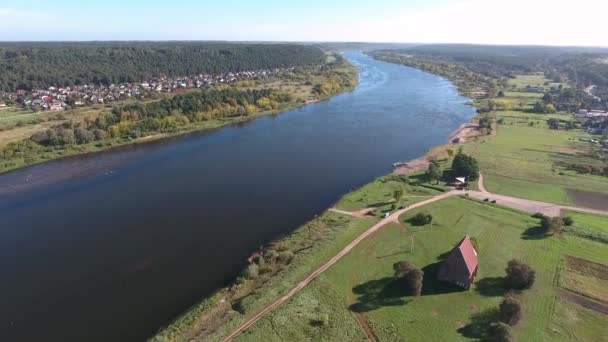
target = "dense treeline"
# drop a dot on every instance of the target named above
(39, 65)
(505, 61)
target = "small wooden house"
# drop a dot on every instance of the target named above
(460, 267)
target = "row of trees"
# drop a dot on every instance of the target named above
(40, 65)
(136, 119)
(519, 276)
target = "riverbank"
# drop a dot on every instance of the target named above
(344, 305)
(24, 153)
(282, 264)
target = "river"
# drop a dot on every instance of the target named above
(114, 245)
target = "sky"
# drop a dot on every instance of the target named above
(540, 22)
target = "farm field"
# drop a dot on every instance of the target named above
(532, 80)
(521, 159)
(360, 289)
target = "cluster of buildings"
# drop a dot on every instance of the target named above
(58, 98)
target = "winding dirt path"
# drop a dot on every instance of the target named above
(251, 321)
(507, 201)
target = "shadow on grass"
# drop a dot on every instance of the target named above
(393, 254)
(379, 293)
(491, 286)
(480, 322)
(534, 233)
(433, 286)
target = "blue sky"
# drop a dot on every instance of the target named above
(441, 21)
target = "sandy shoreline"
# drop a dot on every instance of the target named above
(465, 132)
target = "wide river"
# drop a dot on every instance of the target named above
(112, 246)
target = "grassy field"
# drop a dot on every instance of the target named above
(532, 80)
(361, 285)
(379, 193)
(520, 160)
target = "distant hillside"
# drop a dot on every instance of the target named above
(39, 65)
(587, 64)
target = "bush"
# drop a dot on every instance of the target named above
(501, 332)
(510, 311)
(421, 219)
(538, 216)
(285, 257)
(519, 275)
(270, 255)
(83, 136)
(552, 225)
(252, 271)
(410, 275)
(99, 134)
(568, 221)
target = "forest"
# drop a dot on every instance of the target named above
(40, 65)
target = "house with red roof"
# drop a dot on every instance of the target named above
(460, 267)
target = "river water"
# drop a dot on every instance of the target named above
(112, 246)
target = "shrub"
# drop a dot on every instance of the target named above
(421, 219)
(83, 136)
(99, 134)
(538, 216)
(510, 311)
(252, 271)
(270, 255)
(285, 257)
(568, 221)
(501, 332)
(410, 275)
(519, 275)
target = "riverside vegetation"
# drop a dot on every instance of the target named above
(92, 129)
(521, 153)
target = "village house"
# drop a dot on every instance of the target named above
(56, 105)
(460, 267)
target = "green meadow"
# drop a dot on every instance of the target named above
(360, 290)
(522, 158)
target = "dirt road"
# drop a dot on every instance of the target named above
(249, 322)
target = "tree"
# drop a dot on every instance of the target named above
(550, 109)
(553, 123)
(568, 221)
(397, 194)
(434, 171)
(410, 275)
(465, 166)
(421, 219)
(83, 136)
(510, 311)
(547, 98)
(501, 332)
(500, 94)
(519, 276)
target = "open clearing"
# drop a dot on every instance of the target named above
(522, 159)
(362, 283)
(532, 80)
